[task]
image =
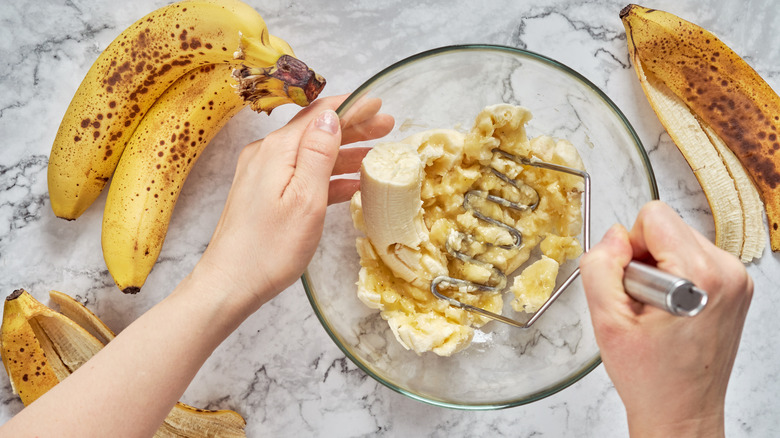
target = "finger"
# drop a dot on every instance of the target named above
(301, 120)
(341, 190)
(659, 232)
(365, 123)
(319, 147)
(602, 269)
(376, 127)
(349, 160)
(316, 107)
(360, 111)
(283, 144)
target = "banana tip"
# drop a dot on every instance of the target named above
(627, 10)
(131, 290)
(14, 295)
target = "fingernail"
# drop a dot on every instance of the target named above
(327, 121)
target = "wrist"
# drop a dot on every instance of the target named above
(219, 290)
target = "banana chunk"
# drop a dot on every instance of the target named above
(534, 285)
(410, 208)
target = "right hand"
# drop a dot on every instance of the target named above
(671, 372)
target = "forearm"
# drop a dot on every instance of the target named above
(130, 386)
(650, 425)
(262, 243)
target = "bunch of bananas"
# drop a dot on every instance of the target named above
(721, 114)
(148, 107)
(41, 347)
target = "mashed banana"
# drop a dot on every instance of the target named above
(455, 163)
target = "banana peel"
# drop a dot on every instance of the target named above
(713, 105)
(40, 347)
(736, 208)
(31, 372)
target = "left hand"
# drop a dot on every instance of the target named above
(275, 210)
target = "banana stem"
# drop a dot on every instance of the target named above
(288, 79)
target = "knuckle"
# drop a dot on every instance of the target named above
(589, 259)
(725, 275)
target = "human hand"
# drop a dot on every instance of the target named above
(274, 214)
(671, 372)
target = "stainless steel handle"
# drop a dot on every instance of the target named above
(653, 286)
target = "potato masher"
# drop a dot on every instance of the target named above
(642, 282)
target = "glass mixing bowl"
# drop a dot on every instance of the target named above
(505, 366)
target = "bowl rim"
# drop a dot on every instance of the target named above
(354, 96)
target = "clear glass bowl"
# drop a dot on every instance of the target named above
(505, 366)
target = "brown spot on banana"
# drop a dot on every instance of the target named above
(131, 290)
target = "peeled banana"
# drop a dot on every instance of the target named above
(721, 114)
(40, 347)
(391, 177)
(391, 174)
(140, 64)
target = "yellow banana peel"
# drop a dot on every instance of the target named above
(722, 116)
(40, 347)
(24, 359)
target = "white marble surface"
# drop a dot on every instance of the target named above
(280, 369)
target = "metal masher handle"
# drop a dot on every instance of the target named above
(653, 286)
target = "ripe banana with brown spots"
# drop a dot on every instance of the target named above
(723, 117)
(140, 64)
(156, 162)
(40, 347)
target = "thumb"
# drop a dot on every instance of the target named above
(317, 153)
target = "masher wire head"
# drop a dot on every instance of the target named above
(498, 279)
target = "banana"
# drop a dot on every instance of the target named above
(156, 162)
(754, 239)
(391, 178)
(41, 347)
(732, 110)
(140, 64)
(154, 167)
(392, 174)
(416, 213)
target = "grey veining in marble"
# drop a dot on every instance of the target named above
(280, 369)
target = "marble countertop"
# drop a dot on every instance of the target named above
(280, 370)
